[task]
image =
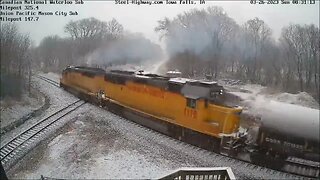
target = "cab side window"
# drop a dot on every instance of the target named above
(191, 103)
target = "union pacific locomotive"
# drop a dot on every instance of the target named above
(193, 111)
(189, 110)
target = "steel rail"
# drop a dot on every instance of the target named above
(54, 83)
(34, 130)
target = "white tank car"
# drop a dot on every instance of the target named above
(286, 118)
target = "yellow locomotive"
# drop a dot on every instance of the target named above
(189, 110)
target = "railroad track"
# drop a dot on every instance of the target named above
(54, 83)
(302, 167)
(210, 155)
(17, 146)
(292, 165)
(293, 169)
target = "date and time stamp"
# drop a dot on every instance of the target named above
(282, 1)
(34, 10)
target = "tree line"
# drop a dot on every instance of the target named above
(95, 43)
(209, 43)
(84, 36)
(53, 53)
(15, 60)
(89, 41)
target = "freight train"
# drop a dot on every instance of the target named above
(193, 111)
(189, 110)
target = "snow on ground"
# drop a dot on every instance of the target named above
(98, 144)
(58, 99)
(12, 110)
(251, 92)
(301, 98)
(53, 76)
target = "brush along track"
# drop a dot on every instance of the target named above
(18, 146)
(49, 80)
(27, 117)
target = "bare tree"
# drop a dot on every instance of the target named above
(163, 27)
(48, 52)
(257, 34)
(301, 46)
(9, 33)
(203, 31)
(313, 37)
(86, 28)
(92, 28)
(15, 47)
(114, 30)
(293, 36)
(88, 34)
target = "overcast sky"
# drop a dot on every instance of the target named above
(143, 18)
